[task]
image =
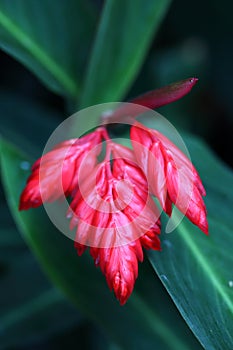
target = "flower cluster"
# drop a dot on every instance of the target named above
(112, 207)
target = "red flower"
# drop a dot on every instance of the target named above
(111, 205)
(171, 175)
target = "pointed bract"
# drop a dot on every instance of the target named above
(56, 173)
(165, 95)
(120, 267)
(152, 99)
(171, 175)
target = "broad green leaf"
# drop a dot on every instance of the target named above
(145, 322)
(197, 270)
(124, 34)
(50, 38)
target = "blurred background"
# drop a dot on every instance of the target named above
(194, 40)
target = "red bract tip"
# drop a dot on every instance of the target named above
(165, 95)
(152, 99)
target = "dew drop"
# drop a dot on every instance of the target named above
(167, 243)
(230, 283)
(164, 278)
(69, 215)
(97, 260)
(25, 165)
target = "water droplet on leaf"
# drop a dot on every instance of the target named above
(25, 165)
(167, 243)
(164, 278)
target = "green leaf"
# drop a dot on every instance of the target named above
(145, 322)
(125, 32)
(47, 37)
(197, 269)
